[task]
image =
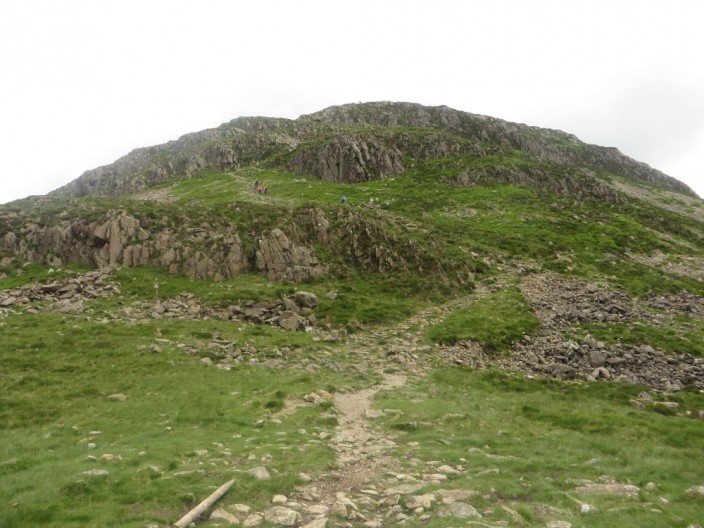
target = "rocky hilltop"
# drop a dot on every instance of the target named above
(363, 142)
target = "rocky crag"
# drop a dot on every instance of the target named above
(221, 251)
(362, 142)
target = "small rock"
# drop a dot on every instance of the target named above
(403, 489)
(241, 508)
(338, 509)
(282, 516)
(667, 404)
(95, 473)
(318, 509)
(117, 397)
(616, 489)
(587, 508)
(223, 515)
(459, 509)
(279, 499)
(450, 496)
(696, 490)
(420, 501)
(650, 486)
(252, 521)
(558, 524)
(259, 473)
(317, 523)
(645, 396)
(516, 517)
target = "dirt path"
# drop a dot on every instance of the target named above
(360, 450)
(364, 455)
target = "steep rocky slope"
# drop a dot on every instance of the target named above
(362, 142)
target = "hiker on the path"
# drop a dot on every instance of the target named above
(343, 199)
(256, 183)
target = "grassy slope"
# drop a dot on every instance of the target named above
(57, 371)
(522, 440)
(58, 374)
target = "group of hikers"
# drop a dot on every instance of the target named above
(262, 189)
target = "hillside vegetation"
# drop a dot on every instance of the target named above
(501, 326)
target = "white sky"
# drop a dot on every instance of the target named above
(83, 82)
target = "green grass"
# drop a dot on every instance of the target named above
(495, 322)
(158, 284)
(30, 272)
(58, 372)
(520, 441)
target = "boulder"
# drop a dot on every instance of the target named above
(306, 299)
(292, 321)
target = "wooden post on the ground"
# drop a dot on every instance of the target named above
(203, 506)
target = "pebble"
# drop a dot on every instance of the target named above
(279, 499)
(95, 473)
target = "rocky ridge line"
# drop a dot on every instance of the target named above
(322, 145)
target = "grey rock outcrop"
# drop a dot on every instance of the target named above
(214, 252)
(553, 146)
(582, 184)
(120, 241)
(348, 159)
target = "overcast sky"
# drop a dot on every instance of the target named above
(83, 82)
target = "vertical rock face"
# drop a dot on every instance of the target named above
(280, 259)
(119, 239)
(348, 159)
(122, 241)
